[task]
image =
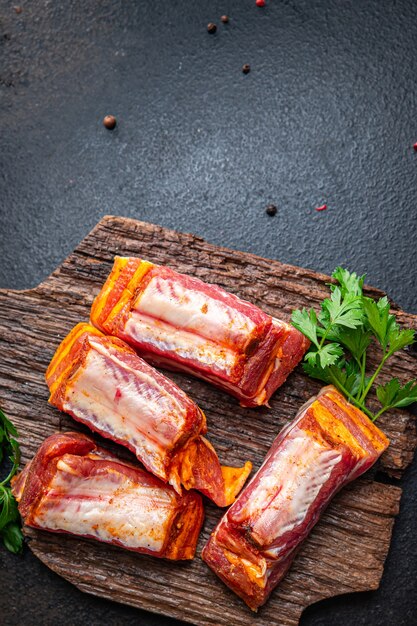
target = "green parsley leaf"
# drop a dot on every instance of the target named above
(329, 354)
(8, 427)
(341, 334)
(347, 375)
(378, 318)
(350, 283)
(315, 370)
(325, 356)
(9, 515)
(340, 311)
(306, 322)
(12, 537)
(8, 511)
(398, 338)
(356, 340)
(394, 395)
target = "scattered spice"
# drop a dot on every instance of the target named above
(271, 209)
(246, 68)
(110, 122)
(323, 207)
(211, 28)
(260, 3)
(225, 19)
(415, 146)
(18, 10)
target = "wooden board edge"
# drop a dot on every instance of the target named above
(109, 221)
(112, 220)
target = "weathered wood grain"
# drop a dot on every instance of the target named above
(347, 549)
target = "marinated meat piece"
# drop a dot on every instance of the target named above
(74, 487)
(103, 383)
(182, 323)
(329, 444)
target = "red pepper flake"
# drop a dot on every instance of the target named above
(415, 146)
(323, 207)
(118, 394)
(260, 3)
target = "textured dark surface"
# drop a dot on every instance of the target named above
(327, 114)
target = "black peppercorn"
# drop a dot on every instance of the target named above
(271, 209)
(246, 68)
(225, 19)
(109, 122)
(211, 28)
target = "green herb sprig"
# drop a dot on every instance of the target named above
(10, 527)
(340, 336)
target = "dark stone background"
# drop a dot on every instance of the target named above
(327, 114)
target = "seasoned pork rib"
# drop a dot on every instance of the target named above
(329, 444)
(182, 323)
(74, 487)
(103, 383)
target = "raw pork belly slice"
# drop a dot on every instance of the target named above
(72, 486)
(329, 444)
(103, 383)
(183, 323)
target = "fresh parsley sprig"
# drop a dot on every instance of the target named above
(340, 336)
(10, 527)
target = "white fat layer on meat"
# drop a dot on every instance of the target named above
(127, 404)
(357, 467)
(280, 324)
(192, 310)
(290, 483)
(110, 507)
(168, 339)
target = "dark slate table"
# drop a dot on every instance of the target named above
(326, 115)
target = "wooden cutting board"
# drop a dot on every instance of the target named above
(346, 550)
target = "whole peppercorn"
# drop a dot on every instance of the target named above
(211, 28)
(110, 122)
(18, 9)
(246, 68)
(271, 210)
(225, 19)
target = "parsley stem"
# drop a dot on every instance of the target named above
(372, 379)
(375, 417)
(362, 365)
(9, 476)
(323, 339)
(360, 406)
